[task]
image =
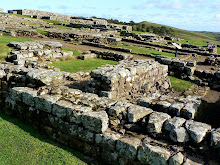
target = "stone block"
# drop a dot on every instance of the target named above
(85, 135)
(28, 96)
(173, 123)
(176, 108)
(149, 154)
(127, 147)
(45, 102)
(2, 73)
(119, 107)
(215, 139)
(189, 110)
(163, 106)
(179, 135)
(156, 121)
(95, 121)
(16, 93)
(61, 108)
(107, 139)
(136, 112)
(176, 159)
(197, 130)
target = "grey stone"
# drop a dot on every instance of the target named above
(145, 101)
(215, 138)
(107, 139)
(45, 102)
(189, 110)
(16, 93)
(163, 106)
(127, 147)
(197, 130)
(156, 121)
(28, 96)
(85, 135)
(2, 73)
(149, 154)
(174, 122)
(136, 112)
(176, 108)
(61, 108)
(179, 135)
(119, 107)
(95, 121)
(176, 159)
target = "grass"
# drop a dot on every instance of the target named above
(20, 144)
(141, 50)
(75, 52)
(4, 41)
(218, 50)
(74, 65)
(180, 85)
(41, 31)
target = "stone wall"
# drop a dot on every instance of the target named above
(187, 70)
(130, 78)
(112, 130)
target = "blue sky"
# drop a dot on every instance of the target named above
(196, 15)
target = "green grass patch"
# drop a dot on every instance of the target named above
(4, 41)
(41, 31)
(74, 65)
(21, 144)
(75, 52)
(142, 50)
(218, 50)
(180, 85)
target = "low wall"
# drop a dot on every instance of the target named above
(187, 70)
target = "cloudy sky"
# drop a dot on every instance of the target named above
(196, 15)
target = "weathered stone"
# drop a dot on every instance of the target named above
(176, 159)
(127, 147)
(85, 135)
(145, 101)
(149, 154)
(156, 121)
(109, 156)
(16, 93)
(176, 108)
(174, 122)
(95, 121)
(2, 73)
(179, 135)
(215, 138)
(189, 110)
(107, 139)
(61, 108)
(119, 107)
(197, 130)
(28, 96)
(163, 106)
(45, 102)
(136, 112)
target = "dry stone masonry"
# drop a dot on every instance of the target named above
(129, 78)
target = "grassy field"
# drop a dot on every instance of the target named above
(20, 144)
(4, 41)
(180, 85)
(75, 52)
(142, 50)
(81, 65)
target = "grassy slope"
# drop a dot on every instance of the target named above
(20, 144)
(195, 37)
(81, 65)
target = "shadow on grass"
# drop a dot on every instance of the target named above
(36, 134)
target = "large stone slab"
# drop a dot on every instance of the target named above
(149, 154)
(127, 147)
(215, 138)
(197, 130)
(136, 112)
(156, 121)
(173, 123)
(179, 135)
(95, 121)
(176, 159)
(119, 107)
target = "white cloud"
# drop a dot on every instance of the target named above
(217, 16)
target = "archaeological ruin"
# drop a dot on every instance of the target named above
(121, 114)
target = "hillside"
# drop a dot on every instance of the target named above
(187, 35)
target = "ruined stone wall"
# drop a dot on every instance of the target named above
(130, 78)
(187, 70)
(115, 131)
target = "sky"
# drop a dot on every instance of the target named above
(194, 15)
